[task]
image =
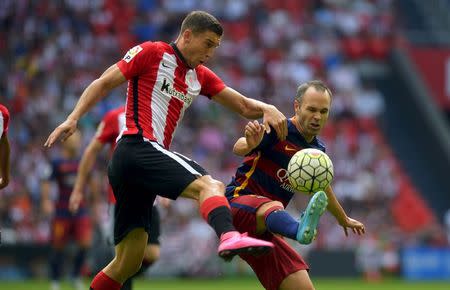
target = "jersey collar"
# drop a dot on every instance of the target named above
(178, 53)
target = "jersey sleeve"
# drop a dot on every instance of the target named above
(211, 83)
(107, 129)
(267, 141)
(137, 60)
(5, 119)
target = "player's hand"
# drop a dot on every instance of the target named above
(47, 207)
(75, 200)
(3, 182)
(254, 132)
(276, 119)
(63, 131)
(356, 226)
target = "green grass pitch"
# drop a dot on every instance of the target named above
(242, 284)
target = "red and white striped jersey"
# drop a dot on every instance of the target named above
(107, 132)
(110, 127)
(4, 120)
(161, 86)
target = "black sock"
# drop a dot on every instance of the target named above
(127, 285)
(144, 267)
(220, 220)
(56, 264)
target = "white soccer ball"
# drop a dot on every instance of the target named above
(310, 170)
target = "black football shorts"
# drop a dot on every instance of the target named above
(140, 170)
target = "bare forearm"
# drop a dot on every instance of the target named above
(254, 109)
(241, 147)
(86, 164)
(334, 207)
(91, 95)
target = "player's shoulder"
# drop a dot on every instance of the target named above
(114, 113)
(320, 144)
(160, 46)
(202, 70)
(4, 111)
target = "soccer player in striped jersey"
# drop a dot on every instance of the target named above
(163, 80)
(260, 191)
(4, 147)
(107, 132)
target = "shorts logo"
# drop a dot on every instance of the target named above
(289, 148)
(132, 53)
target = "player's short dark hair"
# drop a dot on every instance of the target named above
(317, 84)
(201, 21)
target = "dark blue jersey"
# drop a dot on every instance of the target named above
(64, 173)
(264, 169)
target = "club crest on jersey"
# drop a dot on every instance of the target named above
(168, 88)
(132, 53)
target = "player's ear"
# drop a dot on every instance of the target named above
(296, 106)
(187, 35)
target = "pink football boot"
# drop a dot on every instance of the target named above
(234, 243)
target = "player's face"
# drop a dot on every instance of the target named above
(312, 113)
(200, 46)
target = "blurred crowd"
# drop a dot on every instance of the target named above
(54, 49)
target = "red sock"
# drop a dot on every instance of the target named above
(103, 282)
(211, 204)
(216, 211)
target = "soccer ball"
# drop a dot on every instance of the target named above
(310, 170)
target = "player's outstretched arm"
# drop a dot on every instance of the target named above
(338, 212)
(254, 133)
(253, 109)
(86, 164)
(4, 161)
(99, 88)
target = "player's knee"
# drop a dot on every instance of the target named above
(152, 254)
(204, 187)
(266, 208)
(214, 184)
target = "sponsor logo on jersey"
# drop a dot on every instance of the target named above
(168, 88)
(282, 175)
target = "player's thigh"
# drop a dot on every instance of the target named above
(60, 232)
(83, 231)
(150, 167)
(273, 268)
(204, 187)
(129, 253)
(132, 211)
(297, 281)
(244, 210)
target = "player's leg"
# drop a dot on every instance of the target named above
(215, 210)
(83, 237)
(273, 217)
(297, 281)
(131, 214)
(59, 232)
(152, 251)
(271, 269)
(176, 175)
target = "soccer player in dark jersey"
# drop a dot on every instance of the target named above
(4, 147)
(65, 225)
(107, 132)
(163, 80)
(260, 191)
